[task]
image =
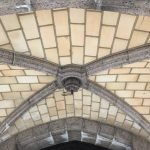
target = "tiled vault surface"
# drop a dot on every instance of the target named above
(74, 36)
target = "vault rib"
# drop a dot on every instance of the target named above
(21, 60)
(31, 101)
(118, 59)
(117, 101)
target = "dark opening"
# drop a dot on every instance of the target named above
(75, 145)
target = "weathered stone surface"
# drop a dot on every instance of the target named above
(131, 7)
(74, 124)
(108, 136)
(90, 126)
(107, 131)
(123, 137)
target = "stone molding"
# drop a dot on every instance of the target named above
(21, 60)
(118, 59)
(136, 7)
(74, 128)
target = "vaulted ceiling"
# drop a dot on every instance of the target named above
(31, 41)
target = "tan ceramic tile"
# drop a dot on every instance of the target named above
(138, 38)
(29, 25)
(27, 94)
(4, 88)
(7, 80)
(91, 46)
(35, 116)
(86, 100)
(95, 98)
(48, 37)
(143, 110)
(46, 79)
(65, 60)
(104, 104)
(116, 86)
(127, 78)
(59, 96)
(78, 104)
(143, 23)
(10, 22)
(120, 117)
(135, 86)
(110, 18)
(77, 55)
(11, 95)
(43, 109)
(18, 41)
(77, 35)
(45, 118)
(125, 93)
(78, 95)
(44, 17)
(125, 26)
(134, 101)
(62, 114)
(103, 52)
(95, 106)
(52, 55)
(50, 102)
(93, 20)
(53, 111)
(27, 79)
(63, 46)
(145, 78)
(7, 104)
(113, 110)
(106, 37)
(120, 71)
(20, 87)
(13, 72)
(77, 15)
(86, 110)
(36, 48)
(106, 78)
(146, 102)
(103, 113)
(119, 45)
(141, 70)
(3, 37)
(60, 105)
(3, 113)
(33, 72)
(61, 22)
(142, 94)
(69, 99)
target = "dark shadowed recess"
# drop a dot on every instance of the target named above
(75, 145)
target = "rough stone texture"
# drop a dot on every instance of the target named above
(127, 6)
(106, 135)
